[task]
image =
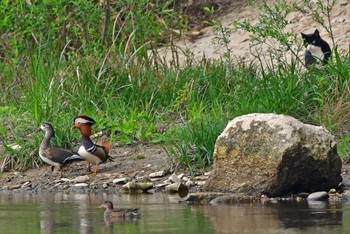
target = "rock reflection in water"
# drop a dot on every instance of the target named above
(276, 217)
(308, 214)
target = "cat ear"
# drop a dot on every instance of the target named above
(317, 33)
(303, 35)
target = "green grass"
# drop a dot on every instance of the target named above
(137, 99)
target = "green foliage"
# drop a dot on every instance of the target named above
(270, 30)
(47, 77)
(193, 144)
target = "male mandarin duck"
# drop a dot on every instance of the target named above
(55, 156)
(92, 153)
(111, 213)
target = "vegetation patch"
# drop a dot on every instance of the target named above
(66, 58)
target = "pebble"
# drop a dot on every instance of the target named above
(174, 178)
(185, 178)
(318, 196)
(189, 183)
(81, 179)
(26, 184)
(81, 185)
(123, 180)
(157, 174)
(178, 187)
(200, 183)
(202, 177)
(16, 186)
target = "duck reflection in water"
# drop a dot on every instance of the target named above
(119, 215)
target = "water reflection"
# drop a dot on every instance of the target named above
(279, 217)
(162, 213)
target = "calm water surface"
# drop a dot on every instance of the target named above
(161, 213)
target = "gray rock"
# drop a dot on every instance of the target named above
(189, 183)
(120, 181)
(177, 188)
(157, 174)
(81, 179)
(174, 178)
(16, 186)
(318, 196)
(274, 155)
(135, 186)
(81, 185)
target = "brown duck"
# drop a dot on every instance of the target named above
(111, 214)
(52, 155)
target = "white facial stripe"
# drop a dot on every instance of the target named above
(81, 120)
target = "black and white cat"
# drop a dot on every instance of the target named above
(317, 49)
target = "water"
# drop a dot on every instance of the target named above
(161, 213)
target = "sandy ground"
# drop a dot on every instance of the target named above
(240, 42)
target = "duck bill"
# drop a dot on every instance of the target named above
(74, 126)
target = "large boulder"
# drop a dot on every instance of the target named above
(274, 155)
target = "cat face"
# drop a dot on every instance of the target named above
(311, 39)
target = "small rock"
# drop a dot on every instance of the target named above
(15, 146)
(81, 185)
(105, 185)
(332, 192)
(202, 177)
(161, 185)
(157, 174)
(181, 175)
(133, 186)
(185, 178)
(318, 196)
(123, 180)
(189, 183)
(177, 188)
(16, 186)
(174, 178)
(200, 183)
(81, 179)
(26, 184)
(343, 2)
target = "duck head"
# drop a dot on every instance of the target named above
(83, 123)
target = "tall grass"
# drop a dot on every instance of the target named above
(137, 99)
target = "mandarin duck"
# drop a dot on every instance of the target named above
(92, 153)
(110, 213)
(55, 156)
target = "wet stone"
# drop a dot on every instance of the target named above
(318, 196)
(120, 180)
